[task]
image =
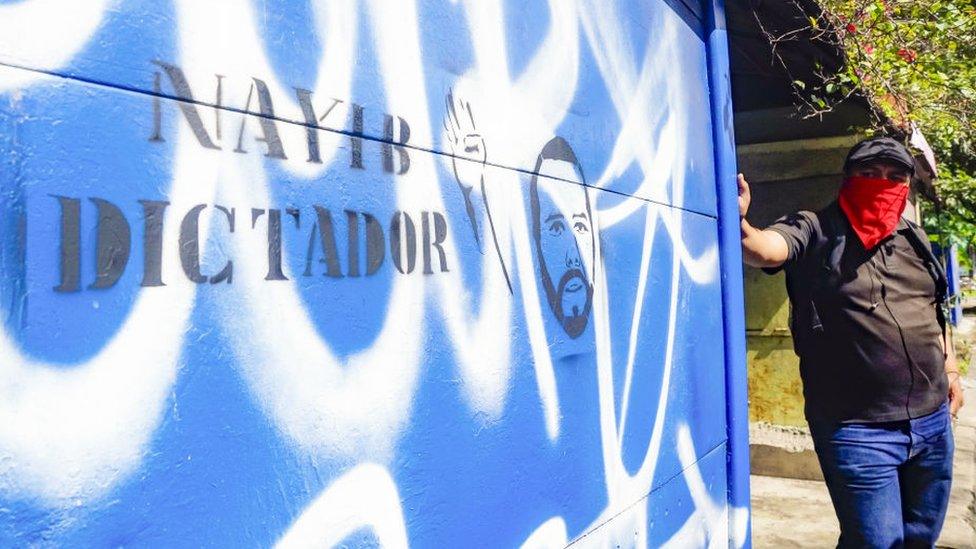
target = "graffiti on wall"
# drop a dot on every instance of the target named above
(415, 273)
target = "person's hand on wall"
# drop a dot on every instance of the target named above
(759, 248)
(745, 197)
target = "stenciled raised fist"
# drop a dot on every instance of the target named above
(468, 153)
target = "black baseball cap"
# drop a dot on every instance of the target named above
(880, 148)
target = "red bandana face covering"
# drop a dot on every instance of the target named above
(873, 207)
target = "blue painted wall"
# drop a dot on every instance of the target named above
(427, 273)
(950, 259)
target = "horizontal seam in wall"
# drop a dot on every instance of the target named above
(772, 182)
(365, 137)
(647, 495)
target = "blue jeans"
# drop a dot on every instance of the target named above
(889, 482)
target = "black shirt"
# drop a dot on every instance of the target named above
(879, 356)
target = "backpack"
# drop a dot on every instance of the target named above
(823, 267)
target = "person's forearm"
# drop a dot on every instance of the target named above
(951, 365)
(956, 395)
(760, 248)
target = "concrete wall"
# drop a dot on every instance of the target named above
(430, 273)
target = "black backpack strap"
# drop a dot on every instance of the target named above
(924, 250)
(922, 247)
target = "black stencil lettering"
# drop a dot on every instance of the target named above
(187, 106)
(70, 244)
(227, 273)
(323, 231)
(440, 233)
(157, 134)
(240, 133)
(375, 245)
(352, 243)
(388, 146)
(112, 244)
(311, 122)
(296, 215)
(267, 122)
(152, 242)
(190, 244)
(356, 142)
(274, 242)
(396, 248)
(268, 125)
(218, 104)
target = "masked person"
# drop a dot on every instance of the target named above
(879, 374)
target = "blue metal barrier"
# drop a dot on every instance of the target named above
(423, 273)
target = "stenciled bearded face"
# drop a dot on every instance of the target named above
(563, 232)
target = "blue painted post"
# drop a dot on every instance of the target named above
(730, 257)
(952, 269)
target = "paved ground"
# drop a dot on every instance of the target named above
(797, 513)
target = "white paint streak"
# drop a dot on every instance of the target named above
(708, 524)
(70, 433)
(45, 35)
(365, 497)
(551, 534)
